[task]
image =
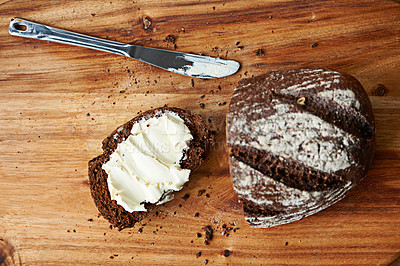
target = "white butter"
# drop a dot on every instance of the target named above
(146, 164)
(206, 67)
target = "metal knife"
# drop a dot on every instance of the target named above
(192, 65)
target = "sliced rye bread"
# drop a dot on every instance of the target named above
(191, 159)
(298, 140)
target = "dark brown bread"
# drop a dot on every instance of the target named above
(193, 157)
(7, 253)
(299, 140)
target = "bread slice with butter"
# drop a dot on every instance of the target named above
(144, 161)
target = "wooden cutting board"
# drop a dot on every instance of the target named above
(59, 102)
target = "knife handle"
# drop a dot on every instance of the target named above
(28, 29)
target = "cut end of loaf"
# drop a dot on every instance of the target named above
(193, 156)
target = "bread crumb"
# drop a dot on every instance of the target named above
(208, 234)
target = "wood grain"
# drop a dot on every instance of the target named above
(58, 102)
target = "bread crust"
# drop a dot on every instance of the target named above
(264, 179)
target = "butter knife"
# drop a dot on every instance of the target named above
(191, 65)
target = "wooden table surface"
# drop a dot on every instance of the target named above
(59, 102)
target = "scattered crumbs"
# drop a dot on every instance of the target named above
(286, 243)
(259, 52)
(90, 220)
(226, 230)
(170, 38)
(198, 254)
(314, 45)
(199, 235)
(196, 214)
(140, 230)
(202, 96)
(201, 192)
(215, 49)
(202, 105)
(205, 262)
(185, 197)
(227, 253)
(208, 234)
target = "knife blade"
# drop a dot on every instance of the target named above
(204, 67)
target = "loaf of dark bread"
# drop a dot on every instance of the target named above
(191, 159)
(298, 140)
